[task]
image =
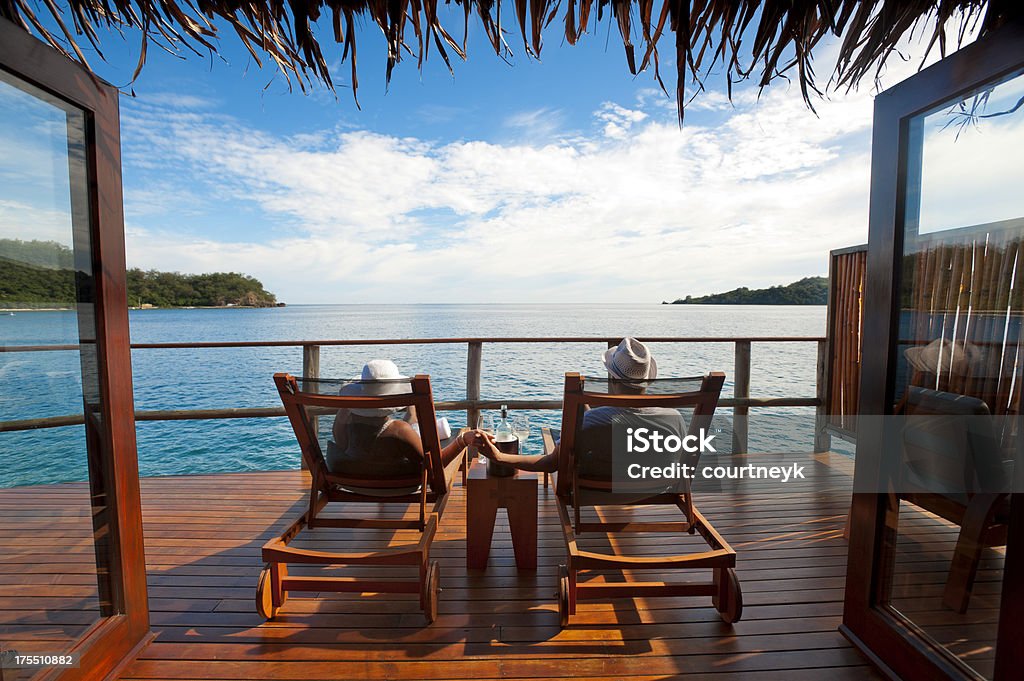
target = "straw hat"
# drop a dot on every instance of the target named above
(947, 357)
(379, 378)
(630, 360)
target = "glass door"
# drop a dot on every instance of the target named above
(958, 372)
(939, 441)
(72, 575)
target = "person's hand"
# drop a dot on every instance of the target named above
(474, 438)
(468, 438)
(487, 447)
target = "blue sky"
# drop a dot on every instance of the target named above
(559, 180)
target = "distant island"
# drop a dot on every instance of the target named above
(807, 291)
(37, 274)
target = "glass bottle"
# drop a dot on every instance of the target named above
(504, 431)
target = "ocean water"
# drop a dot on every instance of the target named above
(49, 383)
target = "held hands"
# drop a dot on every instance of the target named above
(477, 438)
(486, 446)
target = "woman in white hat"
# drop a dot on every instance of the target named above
(371, 442)
(628, 362)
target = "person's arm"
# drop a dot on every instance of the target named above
(457, 444)
(405, 432)
(467, 438)
(540, 463)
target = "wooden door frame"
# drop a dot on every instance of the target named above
(112, 639)
(896, 645)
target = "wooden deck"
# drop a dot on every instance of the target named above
(203, 539)
(925, 548)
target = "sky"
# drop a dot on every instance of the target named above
(563, 180)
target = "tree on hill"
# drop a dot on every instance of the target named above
(33, 285)
(36, 273)
(172, 289)
(807, 291)
(48, 254)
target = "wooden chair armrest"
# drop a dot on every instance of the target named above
(550, 437)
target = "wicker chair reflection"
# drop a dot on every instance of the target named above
(429, 488)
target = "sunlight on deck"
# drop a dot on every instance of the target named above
(203, 541)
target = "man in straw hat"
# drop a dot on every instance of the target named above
(630, 365)
(370, 442)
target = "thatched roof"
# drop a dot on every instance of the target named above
(744, 38)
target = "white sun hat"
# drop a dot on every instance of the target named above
(958, 358)
(630, 360)
(379, 378)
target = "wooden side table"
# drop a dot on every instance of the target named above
(484, 496)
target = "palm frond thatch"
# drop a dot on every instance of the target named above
(763, 39)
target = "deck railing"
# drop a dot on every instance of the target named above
(741, 400)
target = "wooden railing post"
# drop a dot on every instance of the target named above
(741, 391)
(822, 438)
(311, 361)
(311, 369)
(474, 360)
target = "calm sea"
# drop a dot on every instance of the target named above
(49, 384)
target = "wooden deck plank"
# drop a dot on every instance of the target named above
(204, 536)
(498, 624)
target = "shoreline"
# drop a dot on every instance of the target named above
(12, 310)
(5, 310)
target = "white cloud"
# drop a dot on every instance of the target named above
(27, 221)
(537, 125)
(635, 210)
(35, 198)
(180, 100)
(970, 167)
(750, 192)
(618, 121)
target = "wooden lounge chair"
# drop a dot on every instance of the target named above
(579, 488)
(952, 466)
(427, 486)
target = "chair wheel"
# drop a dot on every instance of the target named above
(431, 589)
(264, 595)
(563, 596)
(732, 610)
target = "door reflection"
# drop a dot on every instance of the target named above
(958, 381)
(54, 570)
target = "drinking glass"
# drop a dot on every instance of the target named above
(521, 426)
(485, 422)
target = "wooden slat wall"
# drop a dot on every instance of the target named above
(963, 286)
(966, 288)
(846, 322)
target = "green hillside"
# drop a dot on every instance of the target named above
(48, 254)
(39, 273)
(172, 289)
(24, 285)
(807, 291)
